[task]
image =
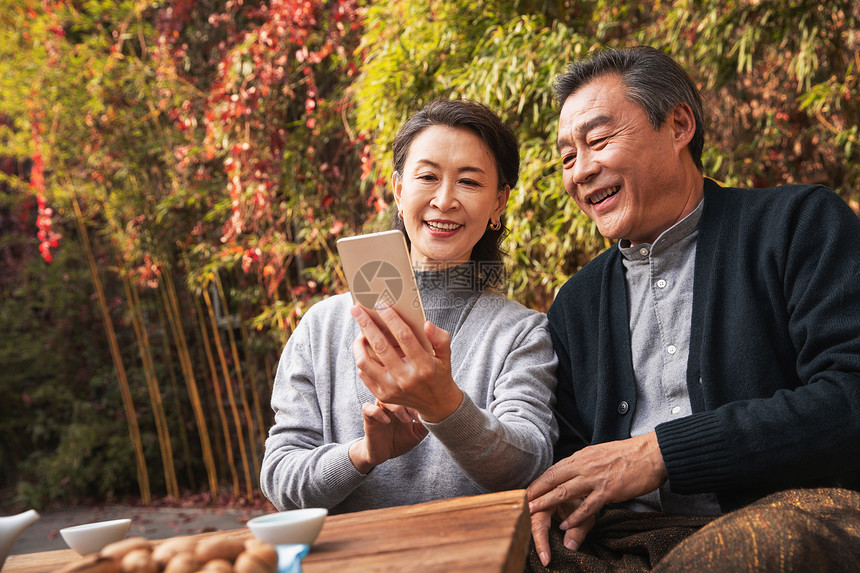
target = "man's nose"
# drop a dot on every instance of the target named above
(585, 168)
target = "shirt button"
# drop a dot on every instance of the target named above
(661, 283)
(623, 407)
(643, 251)
(671, 349)
(676, 409)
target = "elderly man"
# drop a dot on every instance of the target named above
(709, 360)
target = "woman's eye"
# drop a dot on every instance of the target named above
(427, 177)
(469, 182)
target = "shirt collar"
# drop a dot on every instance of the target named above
(667, 238)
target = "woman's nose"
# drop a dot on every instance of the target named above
(445, 197)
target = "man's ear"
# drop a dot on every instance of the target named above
(683, 125)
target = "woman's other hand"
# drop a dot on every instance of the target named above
(389, 431)
(412, 369)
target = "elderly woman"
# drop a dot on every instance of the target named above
(366, 418)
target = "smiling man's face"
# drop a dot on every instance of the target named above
(626, 176)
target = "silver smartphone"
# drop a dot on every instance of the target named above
(378, 270)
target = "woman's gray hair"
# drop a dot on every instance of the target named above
(653, 80)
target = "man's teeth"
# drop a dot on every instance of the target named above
(443, 226)
(607, 193)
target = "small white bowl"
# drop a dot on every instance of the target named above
(92, 537)
(295, 526)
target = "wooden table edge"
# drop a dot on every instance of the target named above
(514, 561)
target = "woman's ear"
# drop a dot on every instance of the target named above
(397, 186)
(503, 196)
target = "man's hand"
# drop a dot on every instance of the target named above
(389, 431)
(573, 537)
(577, 487)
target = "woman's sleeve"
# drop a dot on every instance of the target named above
(299, 468)
(508, 444)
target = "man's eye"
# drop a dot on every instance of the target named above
(598, 142)
(568, 160)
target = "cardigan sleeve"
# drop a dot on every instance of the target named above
(779, 368)
(300, 469)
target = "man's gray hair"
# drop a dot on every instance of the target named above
(652, 79)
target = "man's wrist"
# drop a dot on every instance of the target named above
(655, 456)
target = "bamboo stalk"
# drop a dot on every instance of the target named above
(174, 386)
(240, 379)
(218, 399)
(161, 426)
(125, 390)
(254, 380)
(174, 319)
(205, 374)
(229, 387)
(269, 375)
(270, 372)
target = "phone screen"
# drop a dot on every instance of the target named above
(379, 271)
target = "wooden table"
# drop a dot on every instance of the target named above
(479, 533)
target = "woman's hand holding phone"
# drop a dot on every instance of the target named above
(412, 369)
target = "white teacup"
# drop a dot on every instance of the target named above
(92, 537)
(300, 526)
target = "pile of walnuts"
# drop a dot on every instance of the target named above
(180, 555)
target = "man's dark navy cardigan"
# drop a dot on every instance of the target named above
(774, 364)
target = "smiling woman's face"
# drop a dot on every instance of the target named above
(447, 195)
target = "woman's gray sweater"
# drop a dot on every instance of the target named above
(501, 436)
